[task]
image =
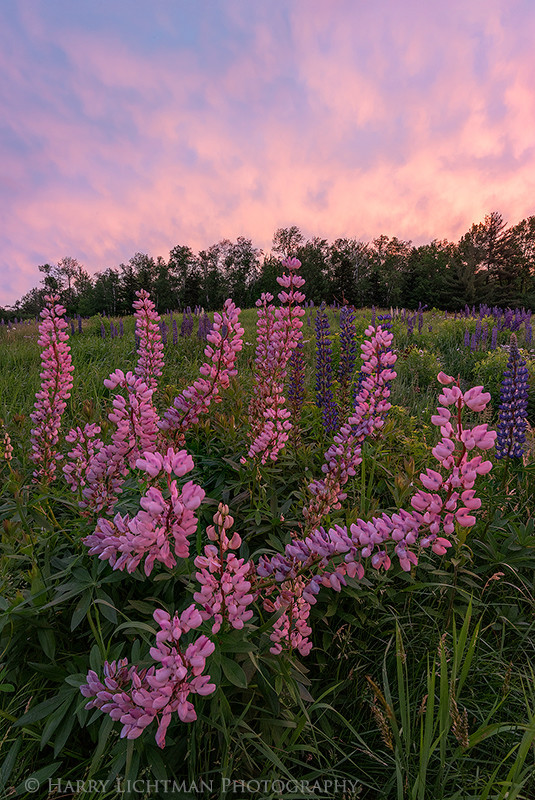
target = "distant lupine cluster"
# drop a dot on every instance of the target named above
(502, 320)
(228, 590)
(513, 406)
(186, 327)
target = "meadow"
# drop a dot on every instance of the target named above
(417, 679)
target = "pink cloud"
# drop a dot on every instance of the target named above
(346, 119)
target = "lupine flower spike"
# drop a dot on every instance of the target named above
(56, 385)
(371, 406)
(225, 340)
(514, 406)
(225, 592)
(278, 332)
(150, 351)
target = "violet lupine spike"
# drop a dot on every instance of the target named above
(278, 332)
(136, 431)
(512, 423)
(225, 592)
(136, 697)
(55, 390)
(225, 341)
(348, 358)
(160, 530)
(324, 374)
(150, 349)
(371, 406)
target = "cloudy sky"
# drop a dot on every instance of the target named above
(130, 126)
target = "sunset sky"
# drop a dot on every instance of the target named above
(130, 125)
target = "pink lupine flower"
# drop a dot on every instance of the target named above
(225, 588)
(150, 354)
(476, 398)
(371, 406)
(225, 340)
(136, 432)
(278, 333)
(291, 630)
(160, 530)
(56, 385)
(138, 697)
(86, 446)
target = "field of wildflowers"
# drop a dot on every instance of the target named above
(238, 556)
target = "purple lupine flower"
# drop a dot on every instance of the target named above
(72, 327)
(121, 328)
(102, 330)
(348, 350)
(163, 331)
(385, 321)
(79, 324)
(467, 338)
(513, 407)
(494, 338)
(473, 342)
(527, 331)
(296, 386)
(485, 332)
(324, 377)
(175, 331)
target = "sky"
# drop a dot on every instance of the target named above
(132, 126)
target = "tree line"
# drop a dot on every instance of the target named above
(491, 263)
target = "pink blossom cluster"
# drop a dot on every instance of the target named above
(86, 446)
(291, 629)
(161, 528)
(371, 406)
(225, 340)
(150, 352)
(136, 431)
(452, 453)
(278, 333)
(137, 697)
(225, 592)
(55, 390)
